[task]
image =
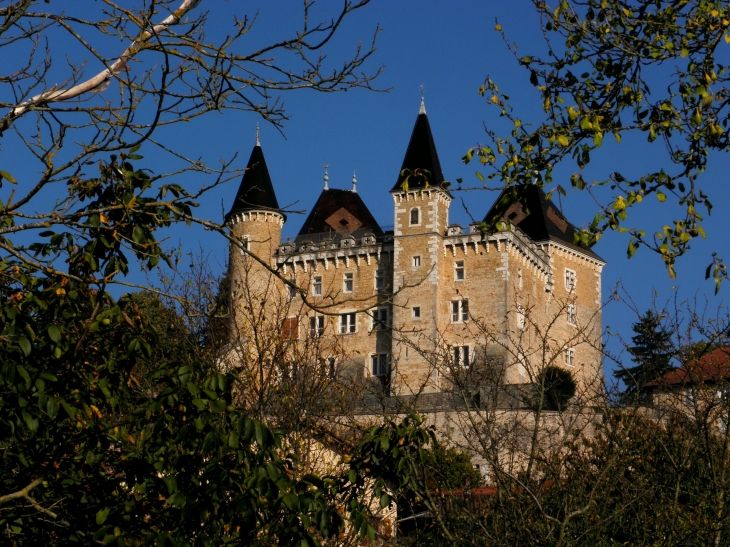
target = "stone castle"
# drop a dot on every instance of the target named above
(412, 307)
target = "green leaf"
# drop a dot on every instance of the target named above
(54, 333)
(7, 176)
(661, 197)
(102, 515)
(24, 344)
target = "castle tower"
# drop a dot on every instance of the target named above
(421, 218)
(256, 221)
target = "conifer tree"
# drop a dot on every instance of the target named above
(651, 351)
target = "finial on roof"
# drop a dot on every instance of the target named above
(422, 110)
(257, 135)
(326, 177)
(354, 182)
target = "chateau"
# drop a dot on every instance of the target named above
(408, 309)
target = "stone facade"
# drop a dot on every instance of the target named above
(414, 306)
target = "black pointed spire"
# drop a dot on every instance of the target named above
(421, 163)
(528, 207)
(256, 191)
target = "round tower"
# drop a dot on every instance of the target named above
(255, 221)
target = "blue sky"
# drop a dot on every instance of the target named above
(449, 47)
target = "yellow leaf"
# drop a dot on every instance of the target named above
(715, 13)
(498, 28)
(563, 140)
(727, 38)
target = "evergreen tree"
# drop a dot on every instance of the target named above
(651, 351)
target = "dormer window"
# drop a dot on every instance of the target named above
(415, 216)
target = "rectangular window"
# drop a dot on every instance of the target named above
(570, 280)
(569, 357)
(570, 308)
(245, 244)
(520, 317)
(461, 356)
(379, 280)
(416, 261)
(317, 285)
(380, 364)
(380, 318)
(348, 323)
(329, 369)
(459, 270)
(416, 312)
(316, 326)
(519, 278)
(414, 216)
(291, 290)
(290, 328)
(348, 283)
(459, 311)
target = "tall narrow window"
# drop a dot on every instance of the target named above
(348, 282)
(348, 323)
(569, 357)
(570, 280)
(520, 317)
(316, 326)
(570, 308)
(379, 280)
(317, 285)
(459, 311)
(519, 278)
(415, 214)
(459, 270)
(416, 261)
(380, 318)
(379, 364)
(291, 291)
(461, 356)
(245, 244)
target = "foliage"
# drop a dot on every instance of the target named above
(651, 351)
(636, 482)
(553, 388)
(114, 426)
(619, 67)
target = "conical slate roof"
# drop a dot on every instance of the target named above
(420, 156)
(527, 207)
(340, 211)
(256, 191)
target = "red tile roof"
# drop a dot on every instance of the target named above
(713, 367)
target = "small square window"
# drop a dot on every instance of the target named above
(570, 309)
(348, 323)
(459, 311)
(415, 216)
(569, 357)
(379, 280)
(317, 285)
(348, 282)
(416, 261)
(380, 364)
(570, 280)
(459, 270)
(416, 312)
(316, 326)
(461, 356)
